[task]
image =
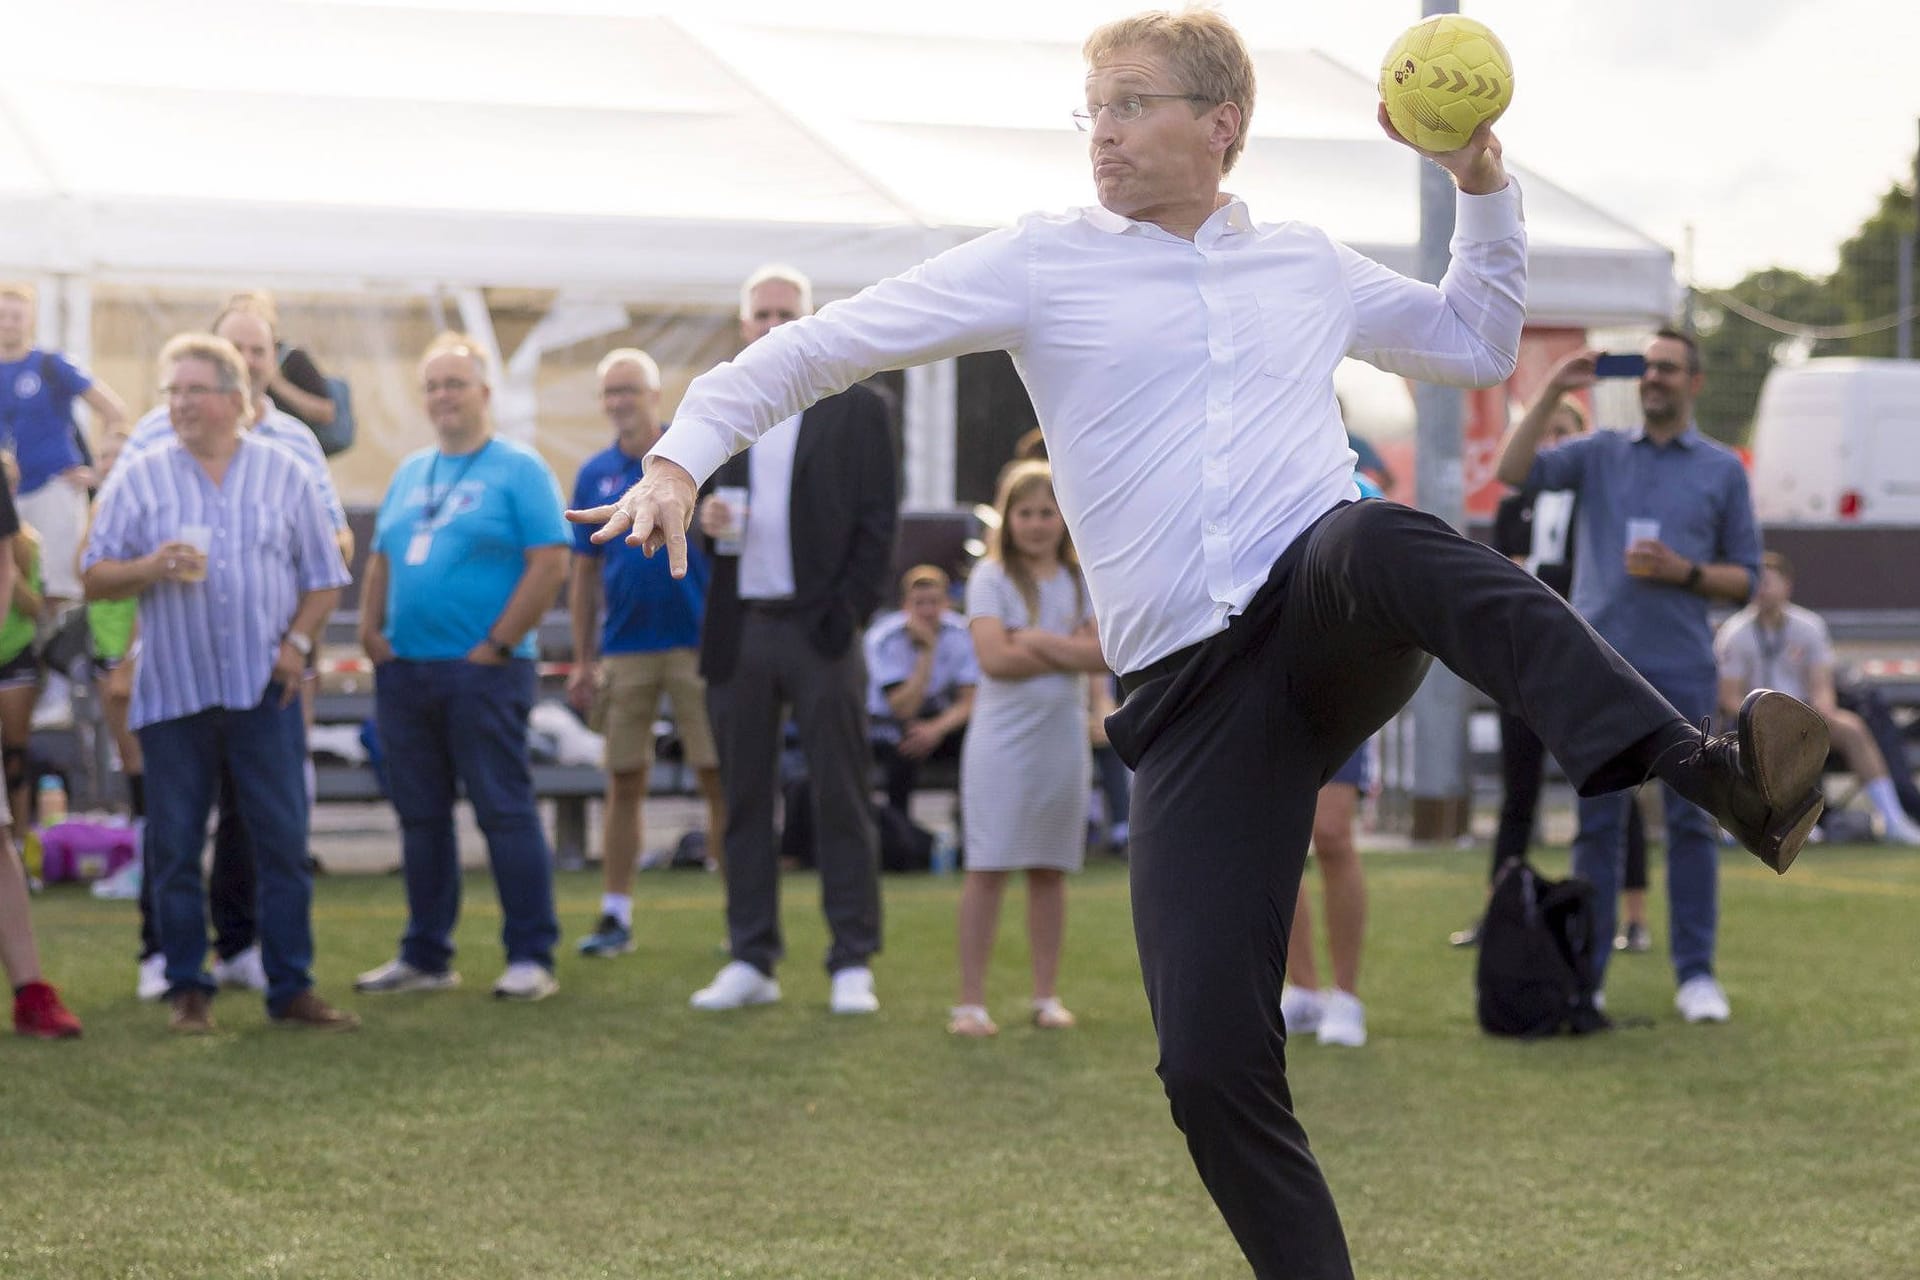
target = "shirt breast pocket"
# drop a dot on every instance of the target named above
(265, 532)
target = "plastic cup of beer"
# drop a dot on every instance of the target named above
(200, 538)
(731, 540)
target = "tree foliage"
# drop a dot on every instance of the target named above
(1739, 352)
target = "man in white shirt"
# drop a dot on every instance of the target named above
(798, 568)
(1181, 356)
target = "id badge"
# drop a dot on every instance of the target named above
(418, 547)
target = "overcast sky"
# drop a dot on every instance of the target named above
(1769, 126)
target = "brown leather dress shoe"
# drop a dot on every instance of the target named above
(309, 1011)
(192, 1013)
(1763, 780)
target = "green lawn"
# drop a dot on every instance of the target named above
(612, 1132)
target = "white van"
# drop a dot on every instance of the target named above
(1837, 441)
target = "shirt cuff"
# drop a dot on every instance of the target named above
(693, 445)
(1491, 217)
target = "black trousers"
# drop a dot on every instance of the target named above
(230, 885)
(779, 666)
(1523, 764)
(1229, 755)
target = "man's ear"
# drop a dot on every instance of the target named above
(1226, 127)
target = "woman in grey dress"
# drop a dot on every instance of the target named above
(1024, 766)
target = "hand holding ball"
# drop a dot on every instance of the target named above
(1442, 79)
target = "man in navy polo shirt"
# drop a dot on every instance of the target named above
(648, 642)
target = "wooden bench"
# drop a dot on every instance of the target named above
(569, 786)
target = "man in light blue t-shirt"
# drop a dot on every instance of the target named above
(469, 550)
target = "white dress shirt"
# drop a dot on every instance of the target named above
(766, 553)
(1185, 387)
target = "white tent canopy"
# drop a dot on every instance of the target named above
(632, 156)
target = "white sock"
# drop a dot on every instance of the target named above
(619, 906)
(312, 777)
(1887, 802)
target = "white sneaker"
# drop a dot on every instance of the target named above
(1343, 1019)
(152, 984)
(397, 975)
(1300, 1009)
(1701, 1000)
(122, 886)
(737, 985)
(1904, 831)
(525, 980)
(244, 972)
(853, 991)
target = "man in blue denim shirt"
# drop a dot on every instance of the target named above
(1665, 526)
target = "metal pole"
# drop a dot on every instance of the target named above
(1441, 809)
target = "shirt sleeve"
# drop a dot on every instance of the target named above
(970, 298)
(9, 514)
(1734, 652)
(1466, 330)
(991, 594)
(583, 543)
(68, 374)
(891, 657)
(1739, 530)
(538, 507)
(115, 522)
(317, 555)
(313, 460)
(1562, 467)
(302, 372)
(1819, 643)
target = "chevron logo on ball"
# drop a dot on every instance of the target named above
(1442, 79)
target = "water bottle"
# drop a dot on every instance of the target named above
(946, 855)
(53, 799)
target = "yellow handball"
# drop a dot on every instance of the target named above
(1442, 78)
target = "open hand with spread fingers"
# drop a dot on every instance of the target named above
(653, 514)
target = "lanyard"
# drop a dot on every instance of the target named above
(1770, 646)
(430, 508)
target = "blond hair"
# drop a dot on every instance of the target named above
(256, 303)
(452, 343)
(923, 575)
(24, 292)
(1204, 52)
(1017, 482)
(785, 275)
(228, 366)
(649, 369)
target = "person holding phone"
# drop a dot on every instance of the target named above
(1663, 528)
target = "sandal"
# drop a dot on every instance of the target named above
(1050, 1015)
(970, 1020)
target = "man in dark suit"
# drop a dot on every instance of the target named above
(802, 532)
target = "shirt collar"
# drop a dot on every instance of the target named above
(1686, 439)
(1228, 219)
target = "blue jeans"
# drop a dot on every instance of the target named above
(264, 747)
(445, 721)
(1693, 856)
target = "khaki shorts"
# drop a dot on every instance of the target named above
(628, 700)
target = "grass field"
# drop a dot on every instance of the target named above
(612, 1132)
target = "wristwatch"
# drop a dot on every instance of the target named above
(504, 652)
(302, 642)
(1693, 576)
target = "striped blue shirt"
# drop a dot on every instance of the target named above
(281, 428)
(213, 643)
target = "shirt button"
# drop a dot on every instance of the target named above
(1212, 527)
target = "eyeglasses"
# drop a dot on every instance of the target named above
(1665, 366)
(1127, 108)
(455, 385)
(196, 392)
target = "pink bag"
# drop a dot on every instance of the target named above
(75, 850)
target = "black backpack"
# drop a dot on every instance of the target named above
(1535, 974)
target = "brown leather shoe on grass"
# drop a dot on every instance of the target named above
(308, 1011)
(192, 1013)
